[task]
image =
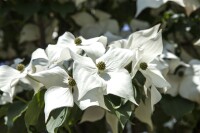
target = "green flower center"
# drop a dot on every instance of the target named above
(71, 82)
(143, 66)
(77, 41)
(101, 66)
(20, 67)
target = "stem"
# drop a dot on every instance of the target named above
(68, 129)
(21, 99)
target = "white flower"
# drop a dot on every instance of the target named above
(147, 44)
(59, 91)
(10, 76)
(189, 5)
(94, 47)
(107, 72)
(185, 80)
(91, 28)
(190, 84)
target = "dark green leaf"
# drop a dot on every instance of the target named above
(63, 9)
(15, 111)
(57, 118)
(34, 110)
(27, 9)
(74, 115)
(3, 110)
(18, 127)
(123, 112)
(176, 106)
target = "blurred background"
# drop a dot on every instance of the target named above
(26, 25)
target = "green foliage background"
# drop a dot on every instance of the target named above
(28, 115)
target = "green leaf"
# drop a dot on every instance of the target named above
(138, 85)
(33, 112)
(176, 106)
(18, 127)
(123, 112)
(27, 9)
(63, 9)
(139, 78)
(15, 111)
(3, 110)
(57, 118)
(74, 115)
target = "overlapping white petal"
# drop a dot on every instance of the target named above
(93, 114)
(155, 96)
(119, 83)
(87, 79)
(57, 54)
(56, 97)
(94, 47)
(51, 77)
(189, 6)
(94, 97)
(144, 111)
(112, 121)
(116, 58)
(156, 78)
(39, 61)
(9, 77)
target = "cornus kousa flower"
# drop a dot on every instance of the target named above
(185, 80)
(62, 91)
(9, 76)
(93, 47)
(147, 44)
(107, 72)
(189, 6)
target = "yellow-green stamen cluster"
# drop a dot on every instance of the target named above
(101, 66)
(143, 66)
(20, 67)
(71, 82)
(77, 41)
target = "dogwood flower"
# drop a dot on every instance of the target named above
(62, 91)
(189, 6)
(59, 88)
(106, 72)
(190, 84)
(147, 44)
(11, 76)
(94, 47)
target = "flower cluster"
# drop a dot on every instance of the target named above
(85, 71)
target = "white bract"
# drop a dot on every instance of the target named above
(147, 44)
(11, 76)
(90, 116)
(190, 84)
(93, 47)
(62, 91)
(189, 5)
(106, 72)
(144, 111)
